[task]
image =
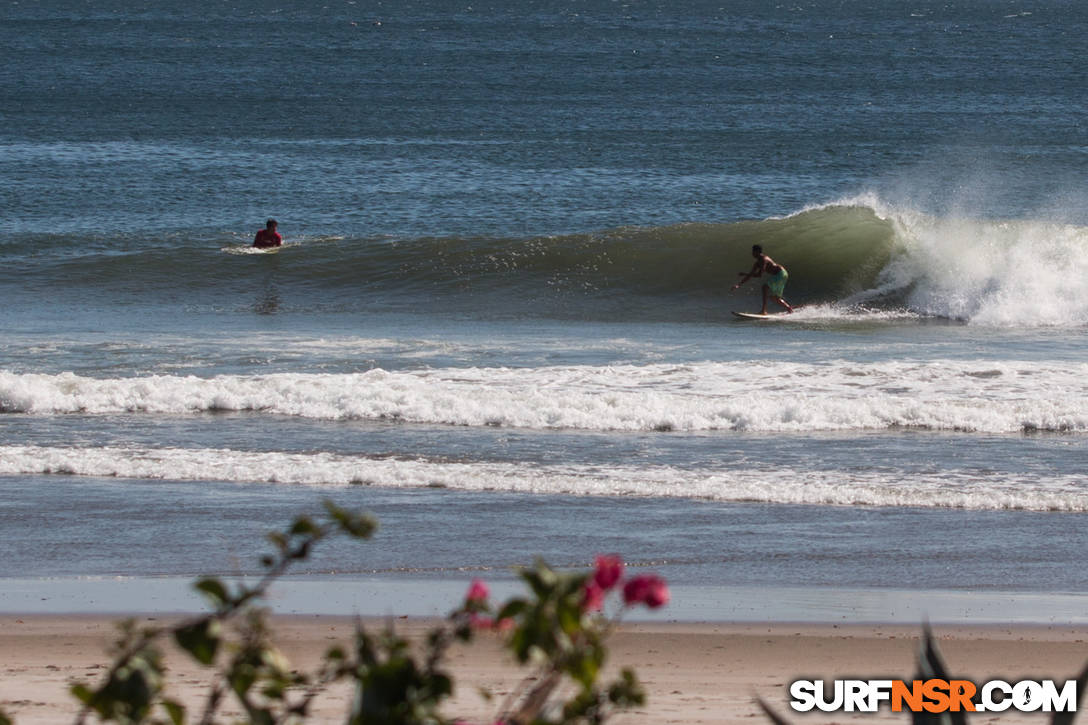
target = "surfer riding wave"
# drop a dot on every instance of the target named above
(775, 286)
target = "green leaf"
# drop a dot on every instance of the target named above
(278, 540)
(275, 690)
(303, 550)
(573, 585)
(584, 670)
(586, 705)
(200, 639)
(241, 677)
(260, 716)
(541, 579)
(627, 692)
(441, 685)
(4, 719)
(214, 590)
(305, 526)
(512, 609)
(570, 618)
(82, 693)
(175, 710)
(359, 526)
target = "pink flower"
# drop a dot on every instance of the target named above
(648, 589)
(592, 597)
(477, 592)
(609, 571)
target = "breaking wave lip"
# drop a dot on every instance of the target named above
(943, 395)
(986, 272)
(776, 485)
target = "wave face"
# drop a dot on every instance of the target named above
(858, 256)
(825, 248)
(944, 395)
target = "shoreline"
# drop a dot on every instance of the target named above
(386, 596)
(693, 672)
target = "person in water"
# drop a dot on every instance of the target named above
(773, 287)
(268, 237)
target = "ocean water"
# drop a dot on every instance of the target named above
(502, 319)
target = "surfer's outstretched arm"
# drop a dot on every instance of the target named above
(757, 271)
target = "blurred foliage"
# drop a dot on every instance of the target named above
(558, 631)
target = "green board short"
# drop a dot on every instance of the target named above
(777, 283)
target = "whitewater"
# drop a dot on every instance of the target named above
(1007, 397)
(957, 489)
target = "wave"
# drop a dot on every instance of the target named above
(858, 254)
(825, 248)
(769, 484)
(1005, 273)
(943, 395)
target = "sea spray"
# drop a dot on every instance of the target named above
(1003, 273)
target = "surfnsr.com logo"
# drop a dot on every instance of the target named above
(933, 695)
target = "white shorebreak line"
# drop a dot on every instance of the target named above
(771, 484)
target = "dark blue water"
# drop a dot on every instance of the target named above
(434, 118)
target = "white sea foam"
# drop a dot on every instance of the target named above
(1003, 273)
(771, 484)
(992, 397)
(250, 249)
(978, 396)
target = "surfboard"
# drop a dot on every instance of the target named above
(756, 316)
(250, 249)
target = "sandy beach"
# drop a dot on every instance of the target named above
(693, 673)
